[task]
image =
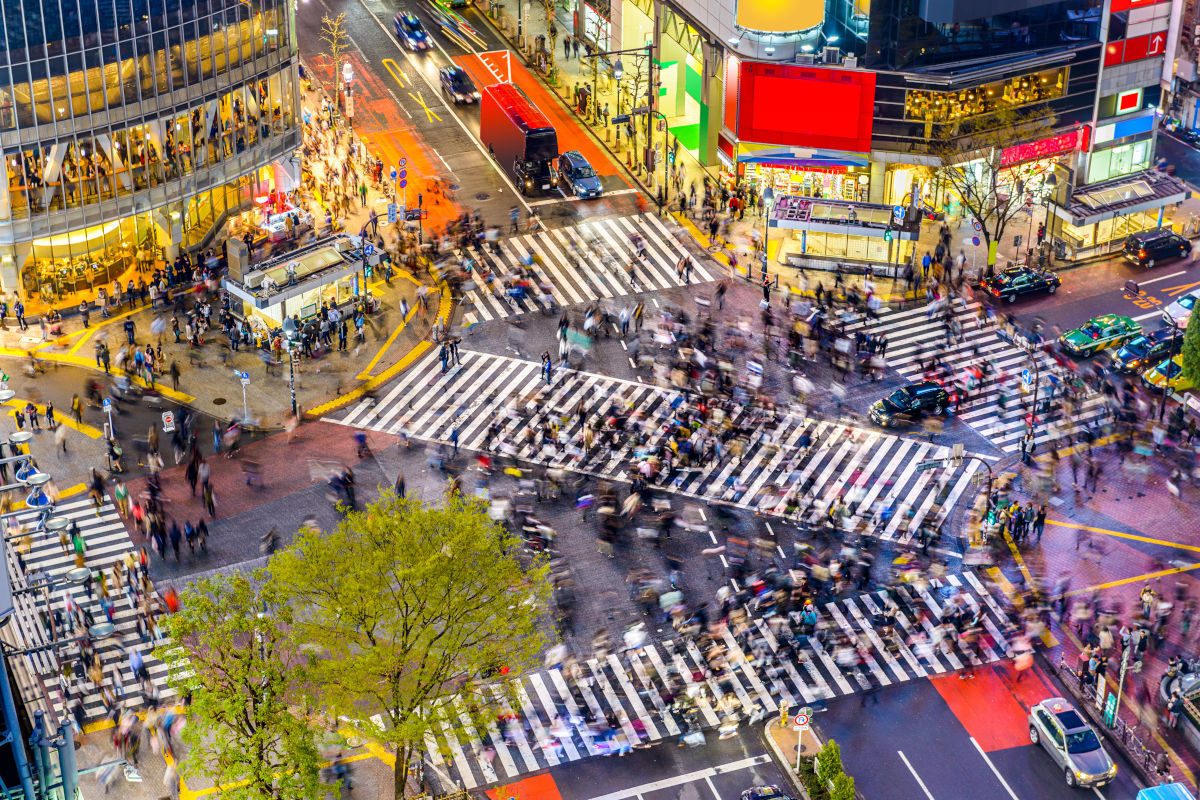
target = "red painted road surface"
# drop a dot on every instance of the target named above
(993, 706)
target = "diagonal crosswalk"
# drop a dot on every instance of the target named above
(750, 673)
(582, 275)
(39, 565)
(913, 337)
(786, 459)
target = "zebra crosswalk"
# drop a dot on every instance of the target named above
(866, 641)
(39, 567)
(914, 335)
(582, 275)
(785, 458)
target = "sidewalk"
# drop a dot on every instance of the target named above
(1110, 543)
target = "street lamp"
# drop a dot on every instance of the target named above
(1170, 362)
(768, 196)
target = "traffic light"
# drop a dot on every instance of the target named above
(369, 270)
(887, 235)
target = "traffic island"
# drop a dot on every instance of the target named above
(814, 767)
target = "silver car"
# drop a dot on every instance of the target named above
(1071, 742)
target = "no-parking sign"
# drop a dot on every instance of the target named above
(800, 722)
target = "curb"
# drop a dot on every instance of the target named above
(787, 767)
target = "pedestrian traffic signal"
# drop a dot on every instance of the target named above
(887, 235)
(369, 270)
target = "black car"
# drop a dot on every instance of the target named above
(1147, 350)
(770, 792)
(1012, 283)
(910, 404)
(1155, 246)
(458, 84)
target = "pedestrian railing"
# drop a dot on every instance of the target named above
(1120, 732)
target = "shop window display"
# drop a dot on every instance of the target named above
(922, 105)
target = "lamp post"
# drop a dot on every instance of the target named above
(1170, 362)
(768, 196)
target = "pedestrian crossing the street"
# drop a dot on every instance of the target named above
(581, 275)
(859, 649)
(45, 583)
(786, 460)
(915, 335)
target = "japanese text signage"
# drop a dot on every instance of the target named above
(1032, 151)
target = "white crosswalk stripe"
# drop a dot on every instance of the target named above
(629, 689)
(46, 565)
(914, 336)
(582, 276)
(874, 472)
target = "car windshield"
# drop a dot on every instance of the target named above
(1082, 741)
(461, 82)
(1138, 347)
(1169, 368)
(585, 172)
(1092, 330)
(900, 398)
(1187, 301)
(412, 25)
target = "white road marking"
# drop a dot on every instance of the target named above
(679, 780)
(916, 777)
(995, 771)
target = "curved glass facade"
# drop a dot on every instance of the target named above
(134, 127)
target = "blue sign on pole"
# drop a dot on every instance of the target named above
(107, 403)
(368, 249)
(403, 184)
(391, 213)
(393, 174)
(1026, 376)
(975, 241)
(898, 211)
(403, 173)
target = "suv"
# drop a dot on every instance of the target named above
(1071, 742)
(458, 84)
(1160, 244)
(577, 173)
(1147, 349)
(1178, 313)
(909, 403)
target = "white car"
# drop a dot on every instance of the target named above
(1179, 312)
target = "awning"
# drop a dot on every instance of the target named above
(802, 157)
(1128, 194)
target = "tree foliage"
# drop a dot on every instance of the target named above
(232, 650)
(843, 787)
(414, 613)
(335, 35)
(829, 761)
(970, 152)
(1191, 350)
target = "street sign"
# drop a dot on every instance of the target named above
(403, 161)
(976, 225)
(168, 421)
(391, 213)
(1110, 709)
(1026, 377)
(619, 119)
(245, 376)
(403, 173)
(368, 249)
(898, 213)
(975, 241)
(108, 404)
(393, 174)
(800, 721)
(403, 184)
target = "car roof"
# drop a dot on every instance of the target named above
(923, 386)
(1151, 235)
(575, 157)
(1071, 721)
(409, 17)
(1162, 334)
(1110, 319)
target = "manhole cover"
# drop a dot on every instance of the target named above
(482, 196)
(218, 401)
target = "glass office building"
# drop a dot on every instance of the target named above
(131, 129)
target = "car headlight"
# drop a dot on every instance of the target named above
(1081, 775)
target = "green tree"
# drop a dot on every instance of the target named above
(972, 168)
(414, 612)
(232, 650)
(843, 787)
(829, 761)
(1191, 350)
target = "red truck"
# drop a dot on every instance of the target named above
(518, 136)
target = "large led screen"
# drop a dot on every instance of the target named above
(806, 107)
(779, 16)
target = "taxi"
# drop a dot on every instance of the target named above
(1071, 742)
(1168, 374)
(1099, 333)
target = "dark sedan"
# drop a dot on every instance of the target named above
(1017, 281)
(1147, 350)
(907, 405)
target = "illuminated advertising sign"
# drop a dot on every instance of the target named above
(786, 104)
(779, 16)
(1032, 151)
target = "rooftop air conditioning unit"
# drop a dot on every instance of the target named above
(850, 62)
(831, 55)
(807, 59)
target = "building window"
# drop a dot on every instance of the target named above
(1039, 87)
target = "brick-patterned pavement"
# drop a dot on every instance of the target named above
(1109, 541)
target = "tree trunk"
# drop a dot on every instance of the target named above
(400, 773)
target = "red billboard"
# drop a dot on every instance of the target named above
(800, 106)
(1043, 148)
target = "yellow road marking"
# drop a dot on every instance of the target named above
(69, 421)
(428, 111)
(1135, 579)
(395, 71)
(443, 311)
(1120, 535)
(74, 490)
(366, 373)
(1007, 587)
(1178, 290)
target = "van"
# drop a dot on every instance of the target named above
(1155, 246)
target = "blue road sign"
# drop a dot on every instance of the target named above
(368, 249)
(391, 213)
(975, 241)
(898, 210)
(403, 184)
(1026, 376)
(107, 403)
(403, 173)
(393, 173)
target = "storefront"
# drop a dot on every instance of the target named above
(333, 271)
(1100, 216)
(821, 234)
(806, 173)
